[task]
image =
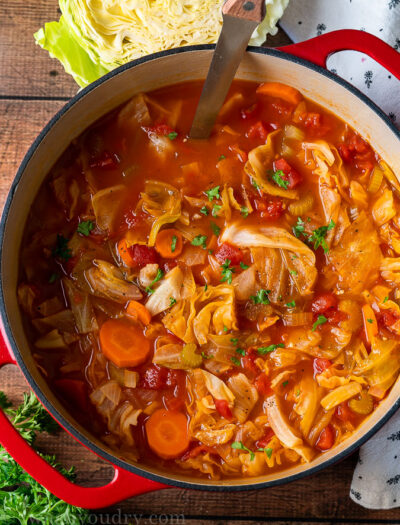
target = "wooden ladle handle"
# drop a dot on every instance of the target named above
(253, 10)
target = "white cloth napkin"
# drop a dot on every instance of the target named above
(376, 479)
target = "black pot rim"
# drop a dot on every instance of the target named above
(225, 486)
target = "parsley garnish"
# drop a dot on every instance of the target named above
(293, 272)
(234, 340)
(200, 240)
(53, 278)
(292, 304)
(172, 301)
(227, 272)
(241, 351)
(297, 393)
(320, 320)
(261, 297)
(213, 193)
(61, 249)
(299, 227)
(238, 445)
(318, 236)
(215, 210)
(173, 243)
(386, 299)
(268, 451)
(244, 211)
(225, 328)
(243, 266)
(172, 135)
(277, 178)
(370, 321)
(254, 183)
(235, 361)
(215, 228)
(206, 356)
(158, 276)
(204, 210)
(285, 383)
(205, 287)
(85, 227)
(222, 157)
(267, 349)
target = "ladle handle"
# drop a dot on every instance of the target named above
(253, 10)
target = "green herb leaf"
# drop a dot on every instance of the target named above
(254, 183)
(173, 243)
(238, 445)
(298, 229)
(292, 304)
(227, 272)
(277, 177)
(244, 211)
(61, 249)
(261, 297)
(53, 278)
(200, 240)
(215, 210)
(222, 157)
(213, 193)
(285, 383)
(267, 349)
(172, 135)
(241, 351)
(206, 356)
(205, 287)
(85, 228)
(204, 210)
(225, 328)
(243, 266)
(172, 301)
(320, 320)
(235, 361)
(370, 321)
(215, 228)
(293, 272)
(234, 340)
(268, 451)
(318, 236)
(386, 299)
(158, 277)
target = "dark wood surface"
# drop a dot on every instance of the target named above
(32, 88)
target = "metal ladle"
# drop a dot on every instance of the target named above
(240, 19)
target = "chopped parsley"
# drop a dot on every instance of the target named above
(267, 349)
(254, 183)
(215, 210)
(204, 210)
(243, 266)
(235, 361)
(53, 278)
(172, 135)
(285, 383)
(173, 243)
(227, 272)
(318, 236)
(261, 297)
(157, 278)
(292, 304)
(279, 181)
(200, 240)
(244, 211)
(238, 445)
(297, 393)
(293, 272)
(206, 356)
(215, 228)
(222, 157)
(213, 193)
(320, 320)
(241, 351)
(234, 340)
(172, 301)
(61, 249)
(268, 451)
(205, 287)
(85, 227)
(298, 228)
(225, 328)
(370, 321)
(386, 299)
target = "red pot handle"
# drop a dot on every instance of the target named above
(318, 49)
(124, 484)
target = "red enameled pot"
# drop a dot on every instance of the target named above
(302, 66)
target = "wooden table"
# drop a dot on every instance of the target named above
(32, 88)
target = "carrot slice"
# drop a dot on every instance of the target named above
(124, 253)
(370, 324)
(278, 90)
(169, 243)
(123, 343)
(167, 433)
(138, 311)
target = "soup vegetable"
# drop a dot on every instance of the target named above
(226, 307)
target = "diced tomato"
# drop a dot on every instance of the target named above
(269, 208)
(174, 403)
(142, 254)
(263, 442)
(250, 112)
(161, 129)
(290, 174)
(323, 302)
(155, 378)
(320, 364)
(312, 120)
(354, 147)
(335, 316)
(248, 361)
(223, 408)
(343, 412)
(259, 130)
(326, 438)
(107, 161)
(263, 385)
(387, 317)
(175, 377)
(345, 152)
(227, 251)
(75, 391)
(281, 108)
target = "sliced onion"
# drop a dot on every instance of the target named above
(297, 318)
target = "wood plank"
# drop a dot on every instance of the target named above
(34, 73)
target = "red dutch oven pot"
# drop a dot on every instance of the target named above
(302, 66)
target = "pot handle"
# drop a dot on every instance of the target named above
(318, 49)
(124, 484)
